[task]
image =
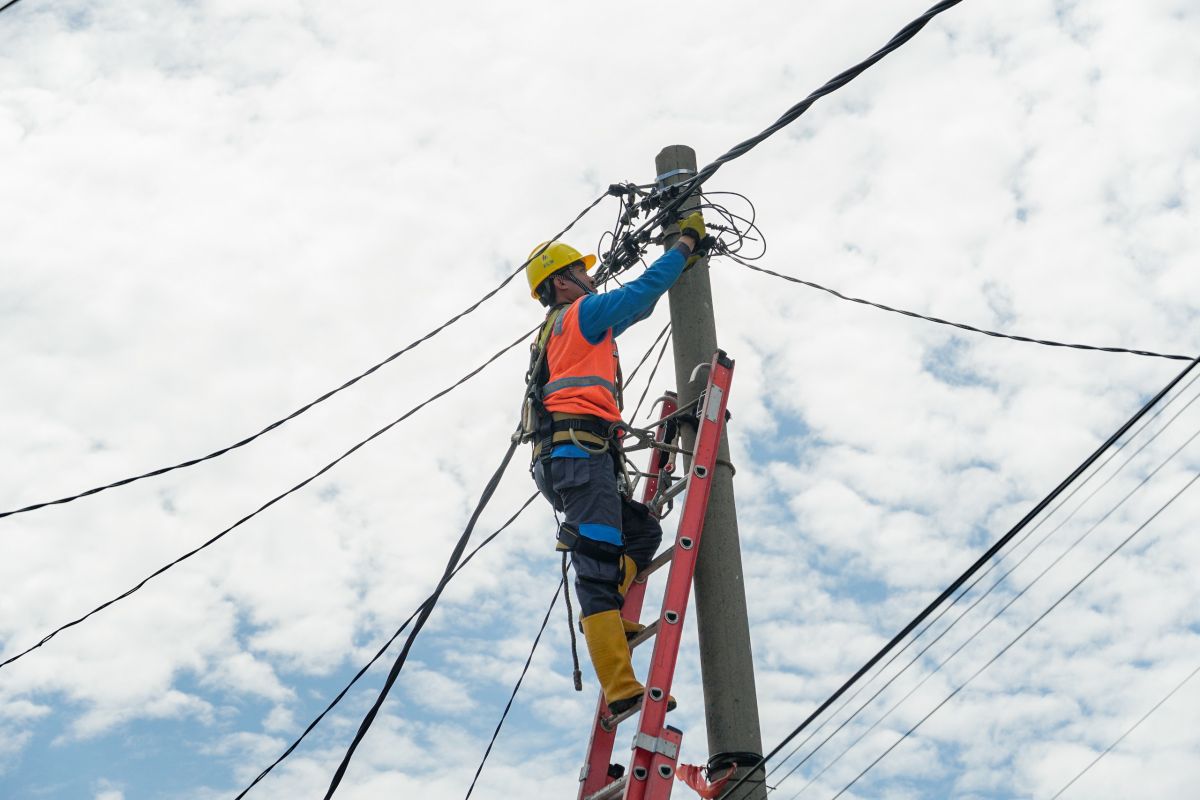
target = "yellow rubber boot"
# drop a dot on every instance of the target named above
(605, 636)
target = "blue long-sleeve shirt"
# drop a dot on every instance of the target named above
(620, 308)
(632, 302)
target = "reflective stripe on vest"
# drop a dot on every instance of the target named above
(583, 376)
(568, 383)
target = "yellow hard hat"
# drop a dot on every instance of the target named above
(556, 256)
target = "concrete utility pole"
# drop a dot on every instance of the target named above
(726, 663)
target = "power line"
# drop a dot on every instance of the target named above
(279, 422)
(466, 560)
(1000, 558)
(961, 325)
(396, 635)
(833, 84)
(1021, 635)
(965, 591)
(937, 668)
(426, 610)
(646, 357)
(562, 585)
(267, 504)
(650, 381)
(966, 575)
(680, 192)
(1128, 731)
(8, 5)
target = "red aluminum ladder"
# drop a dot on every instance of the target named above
(651, 771)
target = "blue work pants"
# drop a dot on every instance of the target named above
(584, 491)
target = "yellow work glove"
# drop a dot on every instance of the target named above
(693, 225)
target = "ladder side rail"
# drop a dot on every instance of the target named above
(653, 741)
(594, 775)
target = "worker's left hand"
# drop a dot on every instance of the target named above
(693, 225)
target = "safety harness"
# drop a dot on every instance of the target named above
(545, 430)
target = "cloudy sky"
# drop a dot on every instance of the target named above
(212, 212)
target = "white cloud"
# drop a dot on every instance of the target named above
(212, 213)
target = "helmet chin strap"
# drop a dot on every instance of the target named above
(571, 277)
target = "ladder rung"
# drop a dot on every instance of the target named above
(646, 634)
(613, 790)
(610, 723)
(658, 563)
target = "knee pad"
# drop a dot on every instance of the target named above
(570, 539)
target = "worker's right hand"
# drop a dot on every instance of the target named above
(693, 225)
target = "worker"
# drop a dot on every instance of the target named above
(577, 458)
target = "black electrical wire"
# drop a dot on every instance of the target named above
(1021, 635)
(744, 229)
(967, 574)
(987, 592)
(277, 423)
(423, 615)
(508, 706)
(961, 325)
(8, 5)
(962, 645)
(650, 380)
(685, 189)
(267, 504)
(378, 655)
(1128, 731)
(646, 357)
(428, 608)
(792, 114)
(1000, 558)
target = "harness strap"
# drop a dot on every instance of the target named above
(569, 538)
(575, 422)
(592, 432)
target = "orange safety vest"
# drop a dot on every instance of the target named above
(583, 376)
